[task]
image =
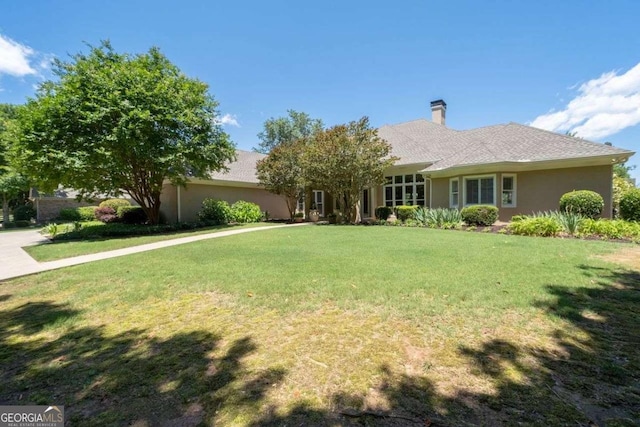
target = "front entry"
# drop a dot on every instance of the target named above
(365, 205)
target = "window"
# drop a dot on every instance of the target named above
(509, 190)
(318, 201)
(479, 190)
(404, 190)
(454, 191)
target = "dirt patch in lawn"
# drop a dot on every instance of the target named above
(628, 256)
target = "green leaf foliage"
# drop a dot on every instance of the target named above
(282, 130)
(485, 215)
(115, 123)
(630, 205)
(404, 213)
(281, 172)
(215, 211)
(346, 159)
(582, 202)
(245, 212)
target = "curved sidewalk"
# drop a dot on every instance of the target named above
(15, 262)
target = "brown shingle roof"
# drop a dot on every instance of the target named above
(439, 148)
(243, 169)
(421, 141)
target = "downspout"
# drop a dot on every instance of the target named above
(179, 204)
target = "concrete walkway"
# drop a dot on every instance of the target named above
(15, 262)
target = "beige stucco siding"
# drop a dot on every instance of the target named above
(541, 190)
(192, 196)
(537, 190)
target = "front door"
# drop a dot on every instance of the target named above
(364, 204)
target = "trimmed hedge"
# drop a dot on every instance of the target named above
(85, 213)
(70, 214)
(131, 215)
(544, 226)
(96, 230)
(114, 204)
(245, 212)
(24, 213)
(587, 203)
(484, 215)
(383, 212)
(215, 211)
(630, 205)
(405, 213)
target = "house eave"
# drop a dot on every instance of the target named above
(526, 165)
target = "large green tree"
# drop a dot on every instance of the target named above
(346, 159)
(13, 185)
(296, 126)
(114, 123)
(281, 172)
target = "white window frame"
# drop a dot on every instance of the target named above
(514, 190)
(414, 191)
(479, 177)
(314, 201)
(451, 181)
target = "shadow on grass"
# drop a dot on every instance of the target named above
(130, 378)
(591, 378)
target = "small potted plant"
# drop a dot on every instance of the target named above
(332, 218)
(314, 215)
(298, 217)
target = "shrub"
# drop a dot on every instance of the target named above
(114, 204)
(51, 229)
(383, 212)
(587, 203)
(244, 212)
(87, 213)
(480, 215)
(22, 223)
(405, 212)
(517, 218)
(630, 205)
(131, 215)
(69, 214)
(215, 211)
(438, 218)
(106, 214)
(536, 226)
(24, 213)
(611, 229)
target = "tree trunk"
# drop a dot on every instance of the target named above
(291, 206)
(5, 210)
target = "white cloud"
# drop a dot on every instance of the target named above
(229, 119)
(603, 107)
(14, 58)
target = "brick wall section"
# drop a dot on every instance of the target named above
(49, 208)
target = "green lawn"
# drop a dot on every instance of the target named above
(333, 325)
(70, 248)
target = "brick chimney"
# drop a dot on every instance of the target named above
(438, 111)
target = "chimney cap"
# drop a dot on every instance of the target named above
(438, 102)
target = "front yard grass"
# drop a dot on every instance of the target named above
(60, 249)
(333, 325)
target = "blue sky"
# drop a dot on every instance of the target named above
(562, 65)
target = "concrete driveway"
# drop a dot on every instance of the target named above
(14, 261)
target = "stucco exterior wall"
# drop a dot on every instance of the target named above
(538, 190)
(192, 196)
(541, 190)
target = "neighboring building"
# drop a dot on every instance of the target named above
(49, 205)
(518, 168)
